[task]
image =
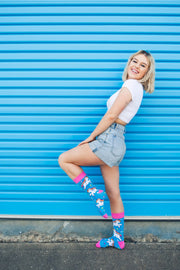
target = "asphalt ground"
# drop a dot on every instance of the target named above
(85, 256)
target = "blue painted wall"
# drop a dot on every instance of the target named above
(59, 63)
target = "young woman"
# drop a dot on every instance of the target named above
(106, 145)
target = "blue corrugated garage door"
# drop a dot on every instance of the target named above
(59, 62)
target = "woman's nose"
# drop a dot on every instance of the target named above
(137, 66)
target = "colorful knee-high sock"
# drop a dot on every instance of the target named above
(96, 195)
(117, 240)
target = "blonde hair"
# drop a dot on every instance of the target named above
(148, 80)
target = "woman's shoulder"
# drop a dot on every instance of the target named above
(132, 83)
(135, 87)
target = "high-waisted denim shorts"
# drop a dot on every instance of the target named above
(110, 145)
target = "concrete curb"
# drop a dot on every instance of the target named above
(55, 231)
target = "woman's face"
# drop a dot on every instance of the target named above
(138, 67)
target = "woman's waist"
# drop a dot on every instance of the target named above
(116, 127)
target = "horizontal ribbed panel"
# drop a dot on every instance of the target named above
(59, 63)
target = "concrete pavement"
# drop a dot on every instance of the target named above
(85, 256)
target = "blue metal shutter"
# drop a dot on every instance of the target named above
(59, 63)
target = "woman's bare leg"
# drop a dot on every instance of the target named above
(111, 179)
(82, 155)
(71, 161)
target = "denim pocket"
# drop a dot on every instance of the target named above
(118, 146)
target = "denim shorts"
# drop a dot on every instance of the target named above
(110, 145)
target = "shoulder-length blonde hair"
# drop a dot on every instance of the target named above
(148, 80)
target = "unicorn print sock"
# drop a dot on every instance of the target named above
(95, 194)
(117, 240)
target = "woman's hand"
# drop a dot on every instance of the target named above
(89, 139)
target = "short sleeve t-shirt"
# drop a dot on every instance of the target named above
(136, 90)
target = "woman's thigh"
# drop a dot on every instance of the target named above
(81, 155)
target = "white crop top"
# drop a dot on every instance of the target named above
(136, 90)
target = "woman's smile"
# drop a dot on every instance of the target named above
(138, 67)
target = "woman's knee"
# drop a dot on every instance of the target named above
(61, 160)
(113, 194)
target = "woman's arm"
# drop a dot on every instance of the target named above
(112, 114)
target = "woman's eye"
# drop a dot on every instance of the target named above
(134, 61)
(143, 66)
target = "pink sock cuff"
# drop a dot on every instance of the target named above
(79, 177)
(117, 215)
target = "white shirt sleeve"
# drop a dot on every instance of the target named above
(132, 86)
